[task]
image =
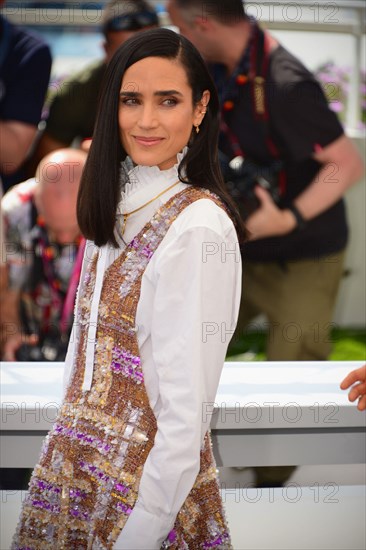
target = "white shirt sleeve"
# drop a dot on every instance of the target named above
(197, 293)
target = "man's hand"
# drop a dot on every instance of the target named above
(341, 158)
(358, 391)
(269, 220)
(16, 139)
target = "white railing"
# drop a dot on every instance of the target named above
(265, 413)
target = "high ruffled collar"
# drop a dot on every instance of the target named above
(144, 182)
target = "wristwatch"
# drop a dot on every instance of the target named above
(301, 222)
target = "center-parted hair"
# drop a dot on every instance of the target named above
(100, 188)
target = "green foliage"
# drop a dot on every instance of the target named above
(348, 345)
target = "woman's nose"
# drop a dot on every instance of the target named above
(148, 118)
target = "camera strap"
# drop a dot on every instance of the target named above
(68, 307)
(45, 254)
(259, 53)
(64, 303)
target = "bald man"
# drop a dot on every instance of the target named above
(42, 254)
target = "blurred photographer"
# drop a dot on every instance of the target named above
(25, 67)
(73, 105)
(287, 162)
(42, 251)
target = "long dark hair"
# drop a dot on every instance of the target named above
(99, 191)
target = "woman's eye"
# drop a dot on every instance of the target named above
(170, 102)
(129, 101)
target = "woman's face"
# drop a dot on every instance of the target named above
(156, 113)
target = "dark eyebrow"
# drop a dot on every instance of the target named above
(168, 92)
(162, 93)
(129, 94)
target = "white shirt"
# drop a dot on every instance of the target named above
(187, 313)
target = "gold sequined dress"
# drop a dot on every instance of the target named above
(86, 483)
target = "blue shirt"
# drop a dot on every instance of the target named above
(25, 67)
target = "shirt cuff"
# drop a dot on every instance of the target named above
(144, 531)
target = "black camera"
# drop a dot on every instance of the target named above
(242, 175)
(52, 347)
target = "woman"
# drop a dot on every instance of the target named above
(128, 463)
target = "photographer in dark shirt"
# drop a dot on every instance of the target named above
(276, 121)
(42, 252)
(274, 114)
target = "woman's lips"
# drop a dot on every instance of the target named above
(148, 141)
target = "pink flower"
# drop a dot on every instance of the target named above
(336, 106)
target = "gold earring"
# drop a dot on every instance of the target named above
(197, 126)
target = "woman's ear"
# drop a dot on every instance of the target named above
(205, 99)
(201, 107)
